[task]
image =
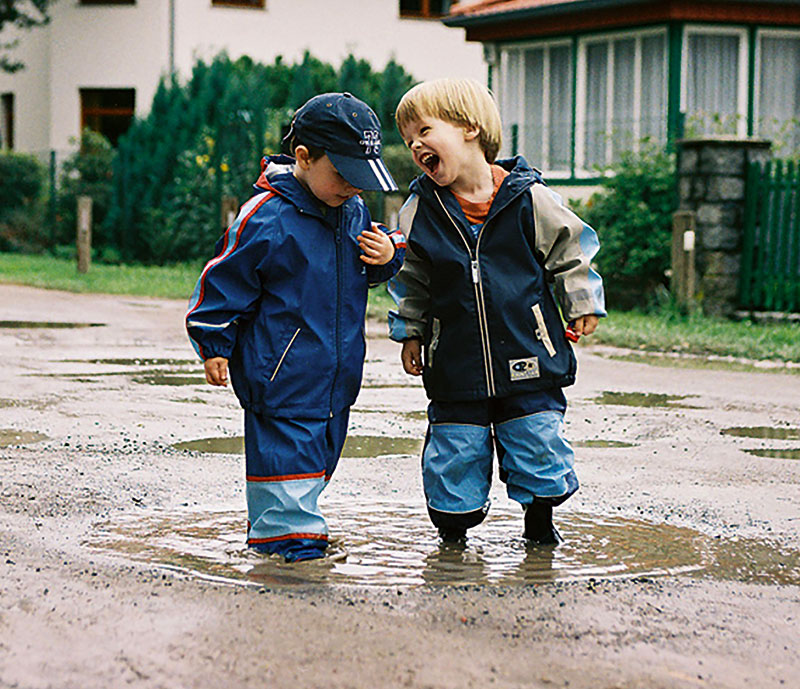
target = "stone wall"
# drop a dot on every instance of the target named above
(711, 183)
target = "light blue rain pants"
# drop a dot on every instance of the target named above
(535, 461)
(288, 464)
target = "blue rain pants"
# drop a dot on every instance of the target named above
(288, 463)
(535, 461)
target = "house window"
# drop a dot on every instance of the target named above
(239, 3)
(778, 100)
(431, 9)
(622, 96)
(714, 95)
(108, 111)
(536, 104)
(7, 121)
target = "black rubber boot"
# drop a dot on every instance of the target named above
(453, 535)
(539, 529)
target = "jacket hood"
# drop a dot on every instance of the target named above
(277, 176)
(521, 176)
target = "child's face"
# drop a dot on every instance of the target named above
(442, 150)
(322, 179)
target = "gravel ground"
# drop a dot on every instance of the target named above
(122, 560)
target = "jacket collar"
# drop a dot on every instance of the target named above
(277, 176)
(521, 176)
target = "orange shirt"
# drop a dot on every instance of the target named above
(476, 212)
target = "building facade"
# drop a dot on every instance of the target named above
(581, 81)
(98, 62)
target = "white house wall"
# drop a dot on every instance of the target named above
(118, 46)
(97, 46)
(31, 89)
(329, 29)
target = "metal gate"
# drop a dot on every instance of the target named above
(770, 271)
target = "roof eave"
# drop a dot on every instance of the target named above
(528, 12)
(555, 10)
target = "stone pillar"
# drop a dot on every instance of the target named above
(711, 183)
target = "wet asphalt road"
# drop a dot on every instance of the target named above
(119, 549)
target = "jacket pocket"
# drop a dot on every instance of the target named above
(283, 356)
(542, 333)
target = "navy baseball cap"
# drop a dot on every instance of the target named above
(350, 134)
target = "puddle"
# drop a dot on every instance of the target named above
(642, 399)
(602, 443)
(708, 363)
(46, 324)
(169, 379)
(789, 453)
(354, 447)
(380, 446)
(231, 445)
(393, 544)
(136, 362)
(412, 415)
(767, 432)
(9, 436)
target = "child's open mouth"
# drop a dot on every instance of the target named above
(430, 161)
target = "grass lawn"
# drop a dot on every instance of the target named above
(662, 331)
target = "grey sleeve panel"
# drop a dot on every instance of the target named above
(410, 288)
(566, 246)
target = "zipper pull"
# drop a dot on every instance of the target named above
(475, 274)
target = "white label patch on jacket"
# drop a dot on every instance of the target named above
(523, 369)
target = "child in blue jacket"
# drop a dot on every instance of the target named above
(282, 307)
(489, 245)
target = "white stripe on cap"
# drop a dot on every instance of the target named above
(379, 174)
(385, 170)
(382, 166)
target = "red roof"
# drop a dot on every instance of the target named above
(485, 7)
(493, 20)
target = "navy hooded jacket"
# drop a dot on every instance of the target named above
(485, 307)
(285, 297)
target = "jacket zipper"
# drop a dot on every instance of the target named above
(483, 326)
(338, 242)
(283, 356)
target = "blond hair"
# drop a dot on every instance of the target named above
(463, 102)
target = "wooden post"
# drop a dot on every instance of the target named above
(84, 239)
(683, 281)
(230, 207)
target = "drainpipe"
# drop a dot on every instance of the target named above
(171, 37)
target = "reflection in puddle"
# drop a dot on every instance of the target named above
(169, 379)
(355, 446)
(602, 443)
(787, 453)
(769, 432)
(642, 399)
(710, 362)
(415, 415)
(138, 362)
(9, 436)
(380, 446)
(393, 544)
(46, 324)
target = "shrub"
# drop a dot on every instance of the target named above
(165, 205)
(87, 172)
(22, 179)
(633, 219)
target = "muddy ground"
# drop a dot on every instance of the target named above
(122, 560)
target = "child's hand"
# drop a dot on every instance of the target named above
(216, 370)
(411, 356)
(585, 325)
(377, 247)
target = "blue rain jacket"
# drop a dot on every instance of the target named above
(285, 297)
